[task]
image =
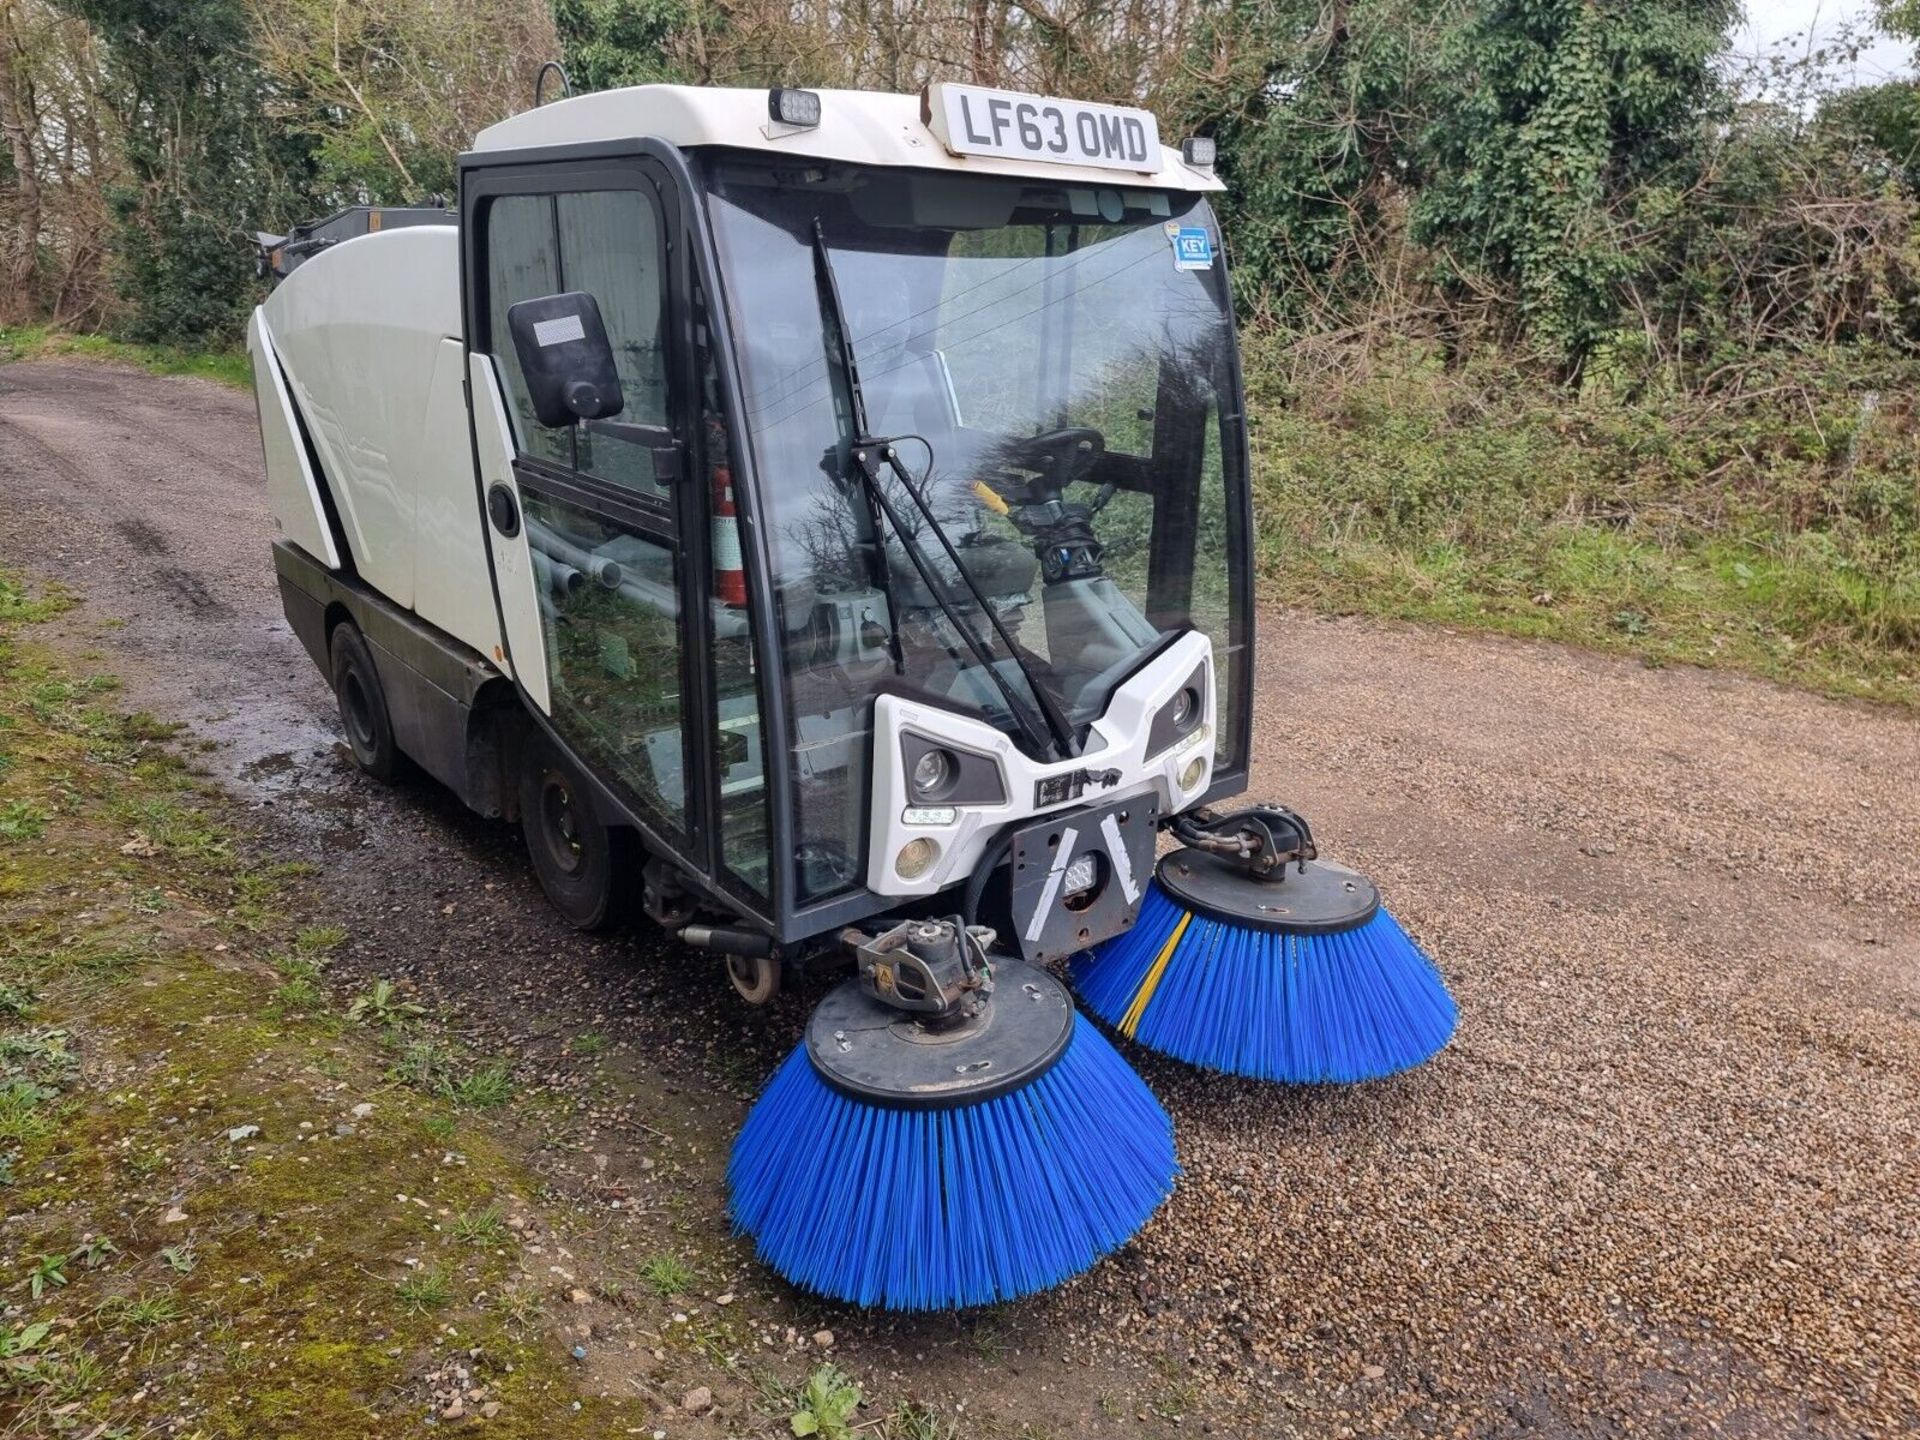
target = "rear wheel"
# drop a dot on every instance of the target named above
(571, 848)
(363, 703)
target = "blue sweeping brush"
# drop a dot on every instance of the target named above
(913, 1169)
(1304, 979)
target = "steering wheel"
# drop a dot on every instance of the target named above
(1062, 457)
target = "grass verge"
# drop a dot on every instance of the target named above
(1775, 532)
(222, 1218)
(240, 1197)
(227, 367)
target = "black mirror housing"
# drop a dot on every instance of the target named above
(566, 358)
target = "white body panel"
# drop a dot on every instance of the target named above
(1118, 741)
(298, 512)
(450, 584)
(368, 334)
(858, 126)
(512, 558)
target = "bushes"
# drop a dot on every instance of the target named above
(200, 162)
(184, 278)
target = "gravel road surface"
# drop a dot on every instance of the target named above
(1665, 1181)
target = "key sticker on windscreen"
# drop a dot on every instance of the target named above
(1192, 247)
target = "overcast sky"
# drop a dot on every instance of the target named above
(1785, 25)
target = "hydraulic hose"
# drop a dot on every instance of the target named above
(996, 856)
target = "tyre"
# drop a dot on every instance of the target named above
(572, 850)
(363, 704)
(756, 978)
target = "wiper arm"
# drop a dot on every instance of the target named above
(867, 455)
(879, 573)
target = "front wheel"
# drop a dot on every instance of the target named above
(571, 848)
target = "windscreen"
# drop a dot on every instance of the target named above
(1052, 367)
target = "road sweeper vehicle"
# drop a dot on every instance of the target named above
(822, 520)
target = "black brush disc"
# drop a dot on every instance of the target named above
(882, 1056)
(1319, 899)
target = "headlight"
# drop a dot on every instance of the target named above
(1186, 709)
(794, 107)
(932, 773)
(1181, 716)
(1079, 876)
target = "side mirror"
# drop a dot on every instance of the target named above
(566, 358)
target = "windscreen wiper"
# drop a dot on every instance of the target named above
(867, 456)
(879, 573)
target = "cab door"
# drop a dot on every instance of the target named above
(586, 519)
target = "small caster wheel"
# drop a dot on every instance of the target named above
(756, 977)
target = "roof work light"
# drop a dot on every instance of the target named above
(1198, 151)
(794, 107)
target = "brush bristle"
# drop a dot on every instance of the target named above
(943, 1209)
(1355, 1005)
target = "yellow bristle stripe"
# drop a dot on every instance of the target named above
(1131, 1020)
(990, 497)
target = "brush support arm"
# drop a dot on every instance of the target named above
(935, 969)
(1261, 840)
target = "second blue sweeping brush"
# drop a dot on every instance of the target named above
(1301, 976)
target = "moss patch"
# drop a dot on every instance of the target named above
(218, 1206)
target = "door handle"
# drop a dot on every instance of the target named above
(503, 510)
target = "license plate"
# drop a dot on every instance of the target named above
(973, 120)
(1077, 877)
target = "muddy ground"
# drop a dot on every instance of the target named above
(1666, 1180)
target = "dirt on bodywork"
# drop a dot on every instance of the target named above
(1662, 1182)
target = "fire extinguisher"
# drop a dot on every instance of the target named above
(729, 572)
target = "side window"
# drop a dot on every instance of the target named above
(522, 263)
(607, 243)
(610, 248)
(610, 615)
(607, 581)
(1211, 607)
